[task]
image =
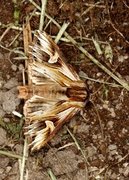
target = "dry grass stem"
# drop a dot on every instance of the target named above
(113, 26)
(41, 24)
(23, 77)
(47, 24)
(61, 32)
(86, 53)
(76, 143)
(52, 176)
(121, 159)
(11, 26)
(61, 39)
(119, 32)
(126, 4)
(5, 153)
(20, 58)
(27, 40)
(50, 20)
(16, 37)
(5, 32)
(100, 122)
(95, 5)
(97, 46)
(25, 154)
(83, 154)
(7, 49)
(83, 75)
(17, 114)
(89, 8)
(32, 2)
(66, 145)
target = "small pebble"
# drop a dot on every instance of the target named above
(11, 83)
(1, 170)
(10, 101)
(91, 151)
(112, 147)
(1, 82)
(14, 67)
(8, 76)
(21, 67)
(110, 124)
(2, 112)
(6, 120)
(126, 171)
(8, 169)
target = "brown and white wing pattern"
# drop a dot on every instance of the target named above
(55, 95)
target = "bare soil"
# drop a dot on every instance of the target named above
(103, 130)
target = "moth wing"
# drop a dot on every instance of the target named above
(42, 126)
(36, 76)
(36, 106)
(49, 61)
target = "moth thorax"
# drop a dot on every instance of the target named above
(51, 92)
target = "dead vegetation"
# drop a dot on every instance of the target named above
(94, 144)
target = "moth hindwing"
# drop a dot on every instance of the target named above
(56, 92)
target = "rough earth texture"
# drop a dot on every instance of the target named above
(103, 130)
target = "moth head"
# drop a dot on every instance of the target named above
(23, 92)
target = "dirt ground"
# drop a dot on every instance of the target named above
(102, 130)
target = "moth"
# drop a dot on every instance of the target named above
(55, 94)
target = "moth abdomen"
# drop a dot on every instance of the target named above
(79, 95)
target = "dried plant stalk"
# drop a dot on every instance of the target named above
(55, 95)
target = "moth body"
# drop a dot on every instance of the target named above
(55, 92)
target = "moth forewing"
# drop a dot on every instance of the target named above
(48, 46)
(56, 92)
